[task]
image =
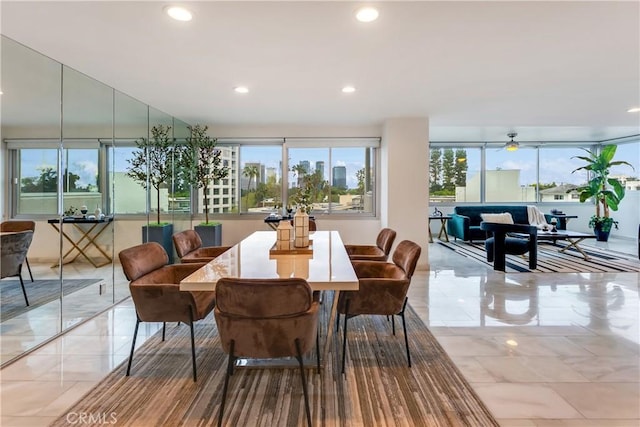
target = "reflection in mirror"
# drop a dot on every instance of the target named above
(67, 141)
(180, 206)
(31, 126)
(125, 196)
(87, 237)
(159, 166)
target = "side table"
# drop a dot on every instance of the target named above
(443, 227)
(89, 230)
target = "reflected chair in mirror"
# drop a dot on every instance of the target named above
(156, 294)
(379, 252)
(266, 318)
(382, 290)
(189, 248)
(12, 226)
(502, 242)
(13, 250)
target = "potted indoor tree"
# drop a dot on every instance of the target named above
(204, 162)
(151, 166)
(605, 191)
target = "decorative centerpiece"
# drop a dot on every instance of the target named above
(284, 235)
(301, 229)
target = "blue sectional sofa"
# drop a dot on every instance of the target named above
(465, 220)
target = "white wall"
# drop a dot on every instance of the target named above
(404, 191)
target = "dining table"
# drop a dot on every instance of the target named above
(325, 265)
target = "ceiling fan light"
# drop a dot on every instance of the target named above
(512, 146)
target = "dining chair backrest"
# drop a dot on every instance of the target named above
(142, 259)
(264, 317)
(385, 239)
(18, 226)
(406, 256)
(13, 251)
(186, 241)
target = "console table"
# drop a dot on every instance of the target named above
(89, 230)
(443, 227)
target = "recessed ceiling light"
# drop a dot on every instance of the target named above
(367, 14)
(179, 13)
(348, 89)
(241, 89)
(634, 110)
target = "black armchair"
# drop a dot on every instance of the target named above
(501, 244)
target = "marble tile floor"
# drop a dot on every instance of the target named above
(539, 349)
(35, 326)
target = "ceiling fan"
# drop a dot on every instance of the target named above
(512, 145)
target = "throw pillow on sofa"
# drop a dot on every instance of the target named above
(500, 218)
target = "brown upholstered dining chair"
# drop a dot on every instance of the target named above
(379, 252)
(382, 290)
(266, 318)
(156, 294)
(13, 252)
(20, 226)
(189, 248)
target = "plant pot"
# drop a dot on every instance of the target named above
(160, 234)
(601, 236)
(211, 235)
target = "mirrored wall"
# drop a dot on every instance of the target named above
(67, 147)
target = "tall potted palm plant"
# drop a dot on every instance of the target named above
(605, 191)
(204, 162)
(151, 166)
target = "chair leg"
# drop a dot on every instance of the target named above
(29, 268)
(164, 329)
(337, 322)
(304, 382)
(344, 339)
(133, 345)
(226, 384)
(318, 348)
(393, 324)
(193, 348)
(24, 291)
(404, 326)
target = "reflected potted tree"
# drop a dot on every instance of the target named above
(151, 166)
(204, 162)
(606, 192)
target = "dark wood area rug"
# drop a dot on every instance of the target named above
(378, 389)
(39, 292)
(550, 260)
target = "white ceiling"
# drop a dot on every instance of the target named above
(557, 71)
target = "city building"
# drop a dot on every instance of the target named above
(339, 176)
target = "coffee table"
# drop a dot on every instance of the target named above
(572, 237)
